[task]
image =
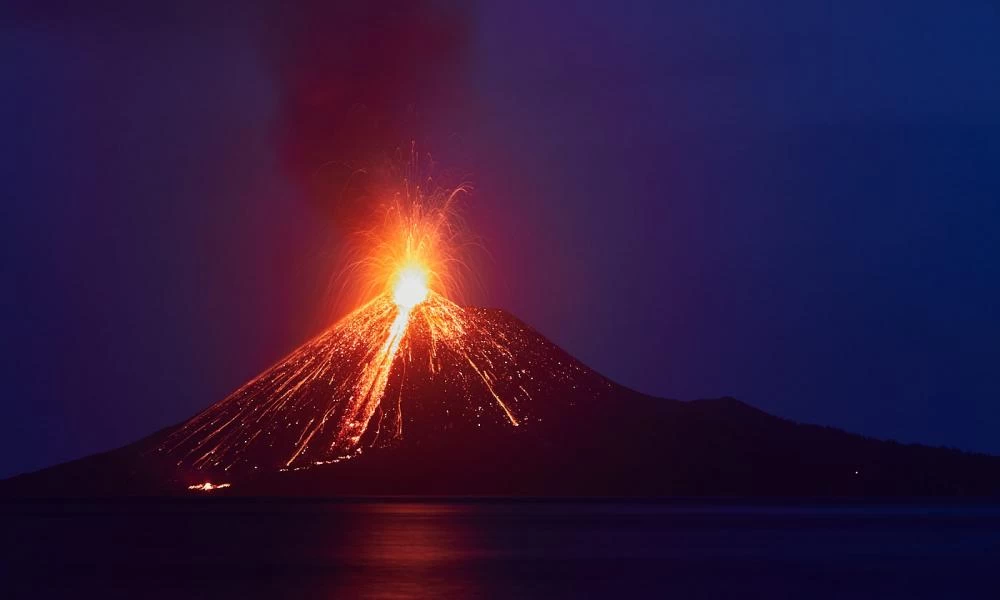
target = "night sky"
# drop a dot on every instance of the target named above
(793, 203)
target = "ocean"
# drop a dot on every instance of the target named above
(478, 548)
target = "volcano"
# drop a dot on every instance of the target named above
(472, 401)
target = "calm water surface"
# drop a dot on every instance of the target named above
(427, 549)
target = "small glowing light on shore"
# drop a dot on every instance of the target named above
(208, 486)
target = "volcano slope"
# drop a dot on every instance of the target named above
(471, 401)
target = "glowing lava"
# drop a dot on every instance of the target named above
(316, 405)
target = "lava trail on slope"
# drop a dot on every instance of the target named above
(381, 374)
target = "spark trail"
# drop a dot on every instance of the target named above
(316, 405)
(348, 388)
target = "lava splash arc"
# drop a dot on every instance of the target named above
(408, 350)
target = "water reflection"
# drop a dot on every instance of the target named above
(410, 551)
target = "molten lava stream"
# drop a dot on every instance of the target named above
(409, 290)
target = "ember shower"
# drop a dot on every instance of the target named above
(343, 390)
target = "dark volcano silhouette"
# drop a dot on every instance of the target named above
(440, 429)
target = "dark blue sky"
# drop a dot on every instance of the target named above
(795, 204)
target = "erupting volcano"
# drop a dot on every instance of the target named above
(413, 393)
(346, 389)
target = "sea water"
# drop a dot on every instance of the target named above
(480, 548)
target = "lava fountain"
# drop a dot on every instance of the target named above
(317, 405)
